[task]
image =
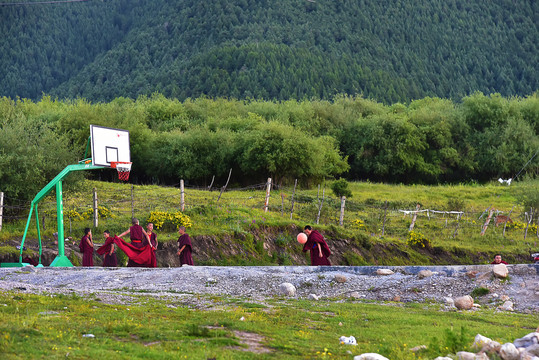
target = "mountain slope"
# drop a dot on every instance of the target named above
(391, 51)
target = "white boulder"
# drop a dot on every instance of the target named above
(287, 289)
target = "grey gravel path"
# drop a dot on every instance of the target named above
(183, 286)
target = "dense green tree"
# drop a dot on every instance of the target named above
(284, 50)
(31, 155)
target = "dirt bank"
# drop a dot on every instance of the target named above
(277, 245)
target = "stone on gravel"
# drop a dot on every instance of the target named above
(507, 306)
(424, 273)
(287, 289)
(370, 356)
(340, 278)
(500, 271)
(29, 269)
(464, 302)
(313, 297)
(384, 272)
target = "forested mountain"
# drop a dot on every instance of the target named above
(391, 51)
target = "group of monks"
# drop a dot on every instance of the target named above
(140, 251)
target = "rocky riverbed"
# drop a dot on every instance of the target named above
(183, 286)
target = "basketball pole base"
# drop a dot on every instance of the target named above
(14, 265)
(61, 261)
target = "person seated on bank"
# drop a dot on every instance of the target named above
(498, 260)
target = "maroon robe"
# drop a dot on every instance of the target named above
(30, 261)
(138, 240)
(87, 252)
(185, 256)
(153, 242)
(109, 260)
(142, 257)
(313, 240)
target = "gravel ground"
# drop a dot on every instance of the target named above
(184, 286)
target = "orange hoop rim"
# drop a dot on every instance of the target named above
(113, 164)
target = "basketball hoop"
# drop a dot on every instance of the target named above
(124, 168)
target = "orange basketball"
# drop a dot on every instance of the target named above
(302, 238)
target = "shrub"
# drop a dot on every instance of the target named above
(340, 188)
(418, 240)
(358, 224)
(161, 219)
(73, 215)
(479, 291)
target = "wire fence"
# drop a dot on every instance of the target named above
(226, 208)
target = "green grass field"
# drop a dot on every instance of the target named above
(53, 326)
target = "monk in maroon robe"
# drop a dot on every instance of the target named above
(30, 260)
(317, 246)
(86, 247)
(139, 240)
(108, 249)
(184, 247)
(140, 256)
(153, 243)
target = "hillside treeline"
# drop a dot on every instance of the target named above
(432, 140)
(269, 50)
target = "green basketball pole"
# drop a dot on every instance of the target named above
(87, 164)
(61, 260)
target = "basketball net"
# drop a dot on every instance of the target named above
(124, 168)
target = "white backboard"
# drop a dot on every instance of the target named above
(109, 145)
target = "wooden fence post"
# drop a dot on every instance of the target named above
(508, 217)
(224, 187)
(1, 208)
(414, 218)
(320, 203)
(384, 222)
(485, 226)
(529, 221)
(293, 193)
(96, 210)
(182, 196)
(268, 189)
(132, 201)
(341, 218)
(457, 226)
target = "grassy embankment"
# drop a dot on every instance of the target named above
(238, 217)
(33, 327)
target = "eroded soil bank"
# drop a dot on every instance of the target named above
(277, 245)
